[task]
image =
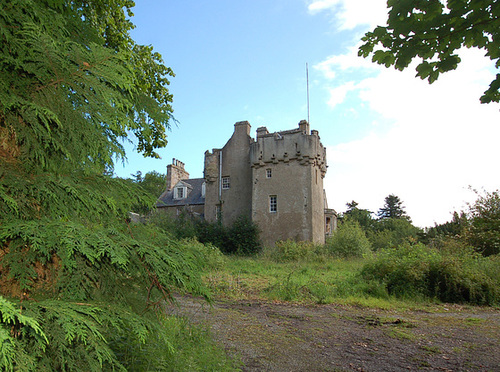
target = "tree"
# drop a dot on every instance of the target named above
(393, 208)
(348, 241)
(432, 31)
(451, 229)
(77, 282)
(362, 216)
(154, 184)
(484, 230)
(392, 232)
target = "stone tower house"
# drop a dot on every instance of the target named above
(275, 179)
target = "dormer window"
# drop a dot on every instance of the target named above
(180, 192)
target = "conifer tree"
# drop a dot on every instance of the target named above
(393, 208)
(76, 279)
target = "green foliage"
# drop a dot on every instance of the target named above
(182, 226)
(293, 251)
(393, 208)
(69, 94)
(211, 256)
(410, 275)
(454, 228)
(392, 228)
(154, 183)
(213, 233)
(392, 232)
(457, 275)
(361, 216)
(484, 216)
(74, 274)
(320, 279)
(242, 237)
(190, 348)
(348, 241)
(432, 31)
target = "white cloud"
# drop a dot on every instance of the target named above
(338, 94)
(441, 139)
(441, 142)
(353, 13)
(348, 61)
(320, 5)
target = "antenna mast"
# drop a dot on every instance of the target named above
(307, 82)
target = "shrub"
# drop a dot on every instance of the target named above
(210, 256)
(181, 227)
(450, 276)
(392, 232)
(290, 250)
(348, 241)
(484, 231)
(242, 237)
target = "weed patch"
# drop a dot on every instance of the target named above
(420, 271)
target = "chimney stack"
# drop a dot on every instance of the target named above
(175, 173)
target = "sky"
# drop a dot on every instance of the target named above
(385, 131)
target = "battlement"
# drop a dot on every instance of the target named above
(288, 146)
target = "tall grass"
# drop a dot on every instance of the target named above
(325, 280)
(403, 276)
(190, 348)
(459, 275)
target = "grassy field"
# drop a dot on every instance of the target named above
(326, 281)
(261, 301)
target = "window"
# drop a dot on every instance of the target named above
(179, 193)
(273, 203)
(203, 190)
(225, 183)
(269, 173)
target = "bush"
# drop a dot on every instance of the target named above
(484, 231)
(243, 237)
(460, 276)
(392, 232)
(348, 241)
(210, 256)
(291, 250)
(240, 238)
(181, 227)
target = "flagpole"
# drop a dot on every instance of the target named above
(307, 83)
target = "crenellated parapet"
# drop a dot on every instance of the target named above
(290, 146)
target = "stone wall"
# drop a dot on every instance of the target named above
(231, 162)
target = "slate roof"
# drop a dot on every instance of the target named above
(193, 194)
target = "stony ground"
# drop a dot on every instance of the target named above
(288, 337)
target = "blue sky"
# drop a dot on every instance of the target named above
(385, 131)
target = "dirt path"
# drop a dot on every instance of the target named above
(286, 337)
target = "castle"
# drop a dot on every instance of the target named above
(276, 180)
